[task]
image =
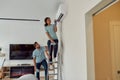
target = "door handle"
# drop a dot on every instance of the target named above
(118, 71)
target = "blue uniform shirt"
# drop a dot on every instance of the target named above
(50, 30)
(39, 54)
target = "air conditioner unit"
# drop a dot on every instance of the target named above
(61, 13)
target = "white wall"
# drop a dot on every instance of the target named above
(74, 35)
(20, 32)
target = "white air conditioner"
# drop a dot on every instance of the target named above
(61, 13)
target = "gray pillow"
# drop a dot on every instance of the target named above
(27, 77)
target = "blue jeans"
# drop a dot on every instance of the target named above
(53, 47)
(45, 65)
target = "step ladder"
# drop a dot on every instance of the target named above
(55, 70)
(56, 67)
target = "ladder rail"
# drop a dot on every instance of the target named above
(60, 53)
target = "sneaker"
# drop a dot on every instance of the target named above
(55, 59)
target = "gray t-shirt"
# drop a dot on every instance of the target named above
(50, 30)
(39, 54)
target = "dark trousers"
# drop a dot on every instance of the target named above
(53, 47)
(38, 65)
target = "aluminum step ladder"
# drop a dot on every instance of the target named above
(55, 70)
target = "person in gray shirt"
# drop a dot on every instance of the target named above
(40, 59)
(51, 30)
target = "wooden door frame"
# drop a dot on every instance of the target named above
(89, 35)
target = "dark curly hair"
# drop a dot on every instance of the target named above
(45, 20)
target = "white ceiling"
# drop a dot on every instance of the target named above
(30, 9)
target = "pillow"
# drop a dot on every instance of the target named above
(27, 77)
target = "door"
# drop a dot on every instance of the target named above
(115, 48)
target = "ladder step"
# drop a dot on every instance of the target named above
(53, 62)
(53, 74)
(53, 68)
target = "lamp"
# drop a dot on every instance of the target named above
(2, 60)
(1, 54)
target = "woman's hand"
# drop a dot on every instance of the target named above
(55, 21)
(52, 41)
